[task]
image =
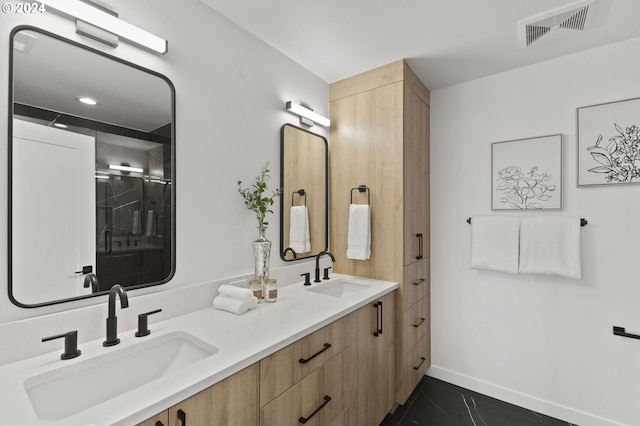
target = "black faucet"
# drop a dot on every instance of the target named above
(129, 235)
(289, 249)
(112, 320)
(91, 281)
(333, 259)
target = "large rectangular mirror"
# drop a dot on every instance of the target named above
(91, 172)
(304, 188)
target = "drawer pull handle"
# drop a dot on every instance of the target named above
(326, 398)
(304, 361)
(420, 323)
(159, 423)
(420, 281)
(423, 359)
(378, 306)
(182, 416)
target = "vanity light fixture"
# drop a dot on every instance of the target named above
(125, 168)
(308, 113)
(101, 19)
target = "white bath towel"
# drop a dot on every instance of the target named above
(234, 292)
(135, 227)
(359, 235)
(495, 243)
(299, 239)
(235, 306)
(151, 224)
(550, 245)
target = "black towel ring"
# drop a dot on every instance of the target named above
(300, 192)
(362, 188)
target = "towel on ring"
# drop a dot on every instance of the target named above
(359, 235)
(234, 292)
(235, 306)
(495, 243)
(135, 226)
(550, 245)
(299, 239)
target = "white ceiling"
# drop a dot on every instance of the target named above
(445, 41)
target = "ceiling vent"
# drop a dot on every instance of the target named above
(575, 16)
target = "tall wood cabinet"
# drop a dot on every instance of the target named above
(379, 137)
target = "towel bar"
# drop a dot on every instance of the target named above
(619, 331)
(583, 222)
(362, 188)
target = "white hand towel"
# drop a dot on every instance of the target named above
(299, 239)
(135, 227)
(550, 245)
(495, 243)
(359, 235)
(151, 224)
(235, 306)
(234, 292)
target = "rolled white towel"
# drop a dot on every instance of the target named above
(235, 306)
(234, 292)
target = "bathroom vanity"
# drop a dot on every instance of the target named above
(214, 367)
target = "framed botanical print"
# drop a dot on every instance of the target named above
(609, 143)
(526, 174)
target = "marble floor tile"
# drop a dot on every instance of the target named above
(438, 403)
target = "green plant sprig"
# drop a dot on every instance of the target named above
(254, 199)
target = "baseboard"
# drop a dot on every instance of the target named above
(529, 402)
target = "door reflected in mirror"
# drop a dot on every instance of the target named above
(304, 186)
(91, 185)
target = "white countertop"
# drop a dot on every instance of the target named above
(241, 341)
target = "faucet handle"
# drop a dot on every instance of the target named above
(143, 329)
(307, 278)
(70, 344)
(325, 276)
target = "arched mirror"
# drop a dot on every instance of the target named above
(304, 212)
(91, 172)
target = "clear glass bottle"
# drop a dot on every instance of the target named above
(270, 290)
(256, 287)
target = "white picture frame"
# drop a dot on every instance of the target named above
(609, 143)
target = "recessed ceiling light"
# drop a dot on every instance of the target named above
(60, 125)
(86, 100)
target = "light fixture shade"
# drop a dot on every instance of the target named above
(307, 113)
(126, 168)
(107, 22)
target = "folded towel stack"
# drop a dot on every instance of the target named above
(359, 234)
(299, 239)
(234, 299)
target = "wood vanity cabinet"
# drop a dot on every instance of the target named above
(233, 401)
(340, 375)
(379, 137)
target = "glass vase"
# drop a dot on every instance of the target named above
(261, 255)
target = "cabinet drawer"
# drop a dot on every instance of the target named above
(291, 364)
(415, 365)
(415, 324)
(415, 280)
(320, 397)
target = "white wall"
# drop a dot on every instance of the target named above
(540, 341)
(230, 95)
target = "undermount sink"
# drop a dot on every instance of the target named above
(68, 390)
(342, 288)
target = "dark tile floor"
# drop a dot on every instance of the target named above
(438, 403)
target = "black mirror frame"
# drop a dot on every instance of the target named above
(10, 167)
(282, 197)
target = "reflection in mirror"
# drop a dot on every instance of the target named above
(304, 188)
(91, 197)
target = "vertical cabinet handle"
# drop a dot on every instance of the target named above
(303, 420)
(182, 416)
(420, 239)
(378, 307)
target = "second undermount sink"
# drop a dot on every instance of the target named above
(341, 288)
(70, 389)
